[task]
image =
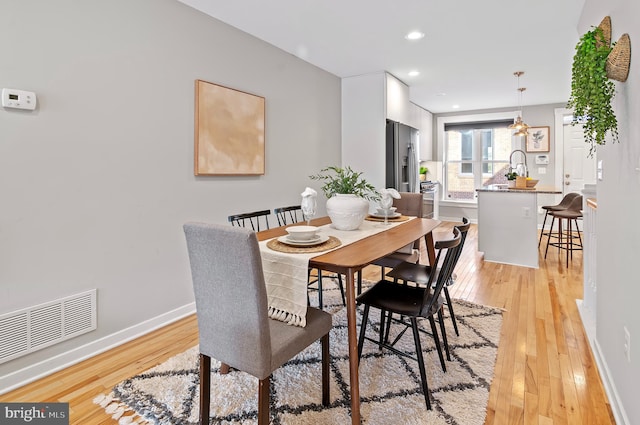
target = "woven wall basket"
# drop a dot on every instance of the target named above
(605, 26)
(619, 59)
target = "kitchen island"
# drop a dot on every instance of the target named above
(508, 224)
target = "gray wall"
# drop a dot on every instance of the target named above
(618, 234)
(97, 182)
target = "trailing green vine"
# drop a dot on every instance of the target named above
(592, 91)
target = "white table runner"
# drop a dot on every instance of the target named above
(286, 274)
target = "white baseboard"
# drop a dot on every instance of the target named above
(457, 219)
(609, 386)
(39, 370)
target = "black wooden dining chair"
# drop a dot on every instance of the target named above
(291, 215)
(251, 218)
(412, 302)
(288, 215)
(419, 273)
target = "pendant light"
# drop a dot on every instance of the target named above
(520, 126)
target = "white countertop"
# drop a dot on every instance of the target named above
(505, 189)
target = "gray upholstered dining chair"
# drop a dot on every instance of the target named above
(231, 307)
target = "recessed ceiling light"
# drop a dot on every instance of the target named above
(414, 35)
(441, 94)
(414, 73)
(455, 106)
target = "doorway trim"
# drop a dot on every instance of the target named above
(560, 114)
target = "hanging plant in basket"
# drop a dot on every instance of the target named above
(591, 89)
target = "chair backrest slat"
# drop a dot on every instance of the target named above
(441, 273)
(251, 218)
(288, 215)
(464, 229)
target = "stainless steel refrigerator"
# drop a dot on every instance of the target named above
(402, 157)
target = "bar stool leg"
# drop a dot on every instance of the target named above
(546, 212)
(560, 236)
(569, 241)
(553, 219)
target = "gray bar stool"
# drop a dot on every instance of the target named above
(571, 214)
(563, 205)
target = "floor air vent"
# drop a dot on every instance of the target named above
(31, 329)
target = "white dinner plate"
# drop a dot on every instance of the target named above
(394, 215)
(315, 241)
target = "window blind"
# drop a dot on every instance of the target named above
(477, 125)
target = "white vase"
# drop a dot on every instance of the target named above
(347, 212)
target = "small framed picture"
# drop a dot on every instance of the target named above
(538, 139)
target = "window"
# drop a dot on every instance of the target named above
(475, 154)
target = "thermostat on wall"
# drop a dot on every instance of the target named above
(542, 159)
(20, 99)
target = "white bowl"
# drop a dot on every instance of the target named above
(390, 211)
(302, 233)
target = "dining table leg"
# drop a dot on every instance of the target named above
(354, 383)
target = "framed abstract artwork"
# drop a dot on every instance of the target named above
(229, 131)
(538, 139)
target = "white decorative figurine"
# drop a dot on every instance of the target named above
(386, 200)
(308, 204)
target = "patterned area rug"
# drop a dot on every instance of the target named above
(389, 384)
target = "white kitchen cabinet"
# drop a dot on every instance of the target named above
(426, 135)
(415, 116)
(397, 99)
(507, 228)
(422, 119)
(507, 225)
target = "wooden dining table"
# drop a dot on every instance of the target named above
(352, 258)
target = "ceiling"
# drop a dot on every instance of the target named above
(467, 58)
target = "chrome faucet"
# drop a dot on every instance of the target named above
(519, 170)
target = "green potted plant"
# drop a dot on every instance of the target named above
(423, 173)
(591, 89)
(345, 181)
(511, 178)
(348, 195)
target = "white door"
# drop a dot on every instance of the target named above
(578, 168)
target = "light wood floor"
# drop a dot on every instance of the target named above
(545, 372)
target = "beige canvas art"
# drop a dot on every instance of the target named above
(229, 129)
